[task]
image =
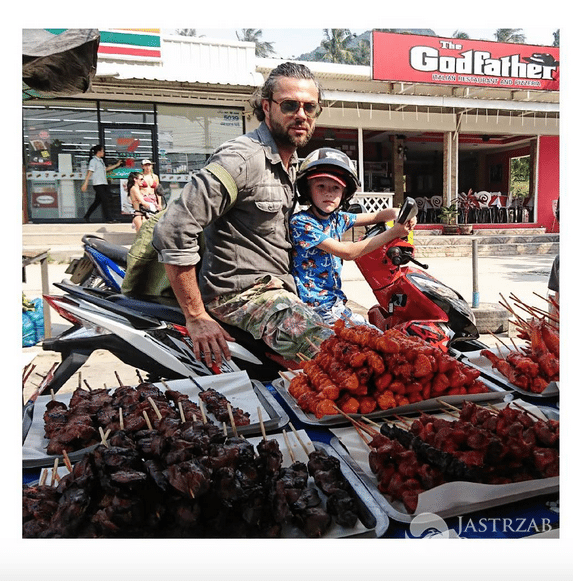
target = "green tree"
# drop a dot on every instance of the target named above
(461, 35)
(336, 46)
(556, 38)
(362, 53)
(187, 31)
(262, 49)
(509, 35)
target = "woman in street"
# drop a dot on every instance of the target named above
(97, 171)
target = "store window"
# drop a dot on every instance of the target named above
(57, 139)
(187, 136)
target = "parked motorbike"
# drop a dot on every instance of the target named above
(412, 300)
(102, 266)
(152, 337)
(148, 336)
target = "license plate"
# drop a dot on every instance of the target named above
(79, 268)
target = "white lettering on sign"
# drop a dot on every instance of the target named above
(477, 62)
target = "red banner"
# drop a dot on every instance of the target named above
(453, 61)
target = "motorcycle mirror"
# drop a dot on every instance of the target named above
(408, 210)
(356, 208)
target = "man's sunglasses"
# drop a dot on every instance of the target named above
(290, 107)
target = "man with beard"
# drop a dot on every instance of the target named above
(242, 201)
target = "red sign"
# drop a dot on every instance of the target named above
(445, 61)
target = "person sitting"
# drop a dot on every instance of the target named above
(326, 181)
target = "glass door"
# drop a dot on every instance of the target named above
(131, 144)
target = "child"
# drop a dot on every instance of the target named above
(326, 181)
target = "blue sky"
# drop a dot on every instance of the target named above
(295, 41)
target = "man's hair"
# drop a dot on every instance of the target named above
(288, 69)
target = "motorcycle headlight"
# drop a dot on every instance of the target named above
(442, 292)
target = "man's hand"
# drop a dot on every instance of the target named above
(209, 340)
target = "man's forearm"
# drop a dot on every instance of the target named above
(183, 281)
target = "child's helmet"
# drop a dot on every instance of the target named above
(330, 161)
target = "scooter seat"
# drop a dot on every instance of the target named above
(115, 252)
(167, 313)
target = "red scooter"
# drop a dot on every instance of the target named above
(412, 300)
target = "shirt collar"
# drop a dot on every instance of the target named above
(270, 147)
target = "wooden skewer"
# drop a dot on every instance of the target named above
(67, 461)
(155, 408)
(27, 372)
(531, 309)
(225, 429)
(103, 437)
(313, 345)
(118, 379)
(524, 410)
(303, 357)
(79, 379)
(165, 384)
(52, 394)
(121, 427)
(297, 436)
(262, 424)
(285, 377)
(147, 421)
(358, 425)
(87, 385)
(43, 478)
(403, 421)
(448, 405)
(139, 377)
(232, 419)
(181, 412)
(191, 493)
(54, 472)
(289, 448)
(498, 339)
(369, 421)
(202, 408)
(520, 321)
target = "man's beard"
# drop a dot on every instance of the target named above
(283, 137)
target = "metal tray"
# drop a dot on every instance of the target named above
(372, 522)
(483, 364)
(496, 393)
(237, 387)
(471, 497)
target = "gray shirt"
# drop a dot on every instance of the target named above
(97, 166)
(243, 242)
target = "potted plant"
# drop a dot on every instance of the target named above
(449, 216)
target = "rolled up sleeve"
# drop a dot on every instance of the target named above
(176, 235)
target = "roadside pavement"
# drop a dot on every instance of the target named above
(519, 275)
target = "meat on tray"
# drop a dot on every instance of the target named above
(481, 445)
(76, 427)
(217, 404)
(360, 369)
(187, 479)
(536, 365)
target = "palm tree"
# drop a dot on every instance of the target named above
(556, 38)
(187, 31)
(362, 53)
(509, 35)
(262, 49)
(461, 35)
(335, 45)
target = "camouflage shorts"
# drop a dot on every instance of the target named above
(271, 313)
